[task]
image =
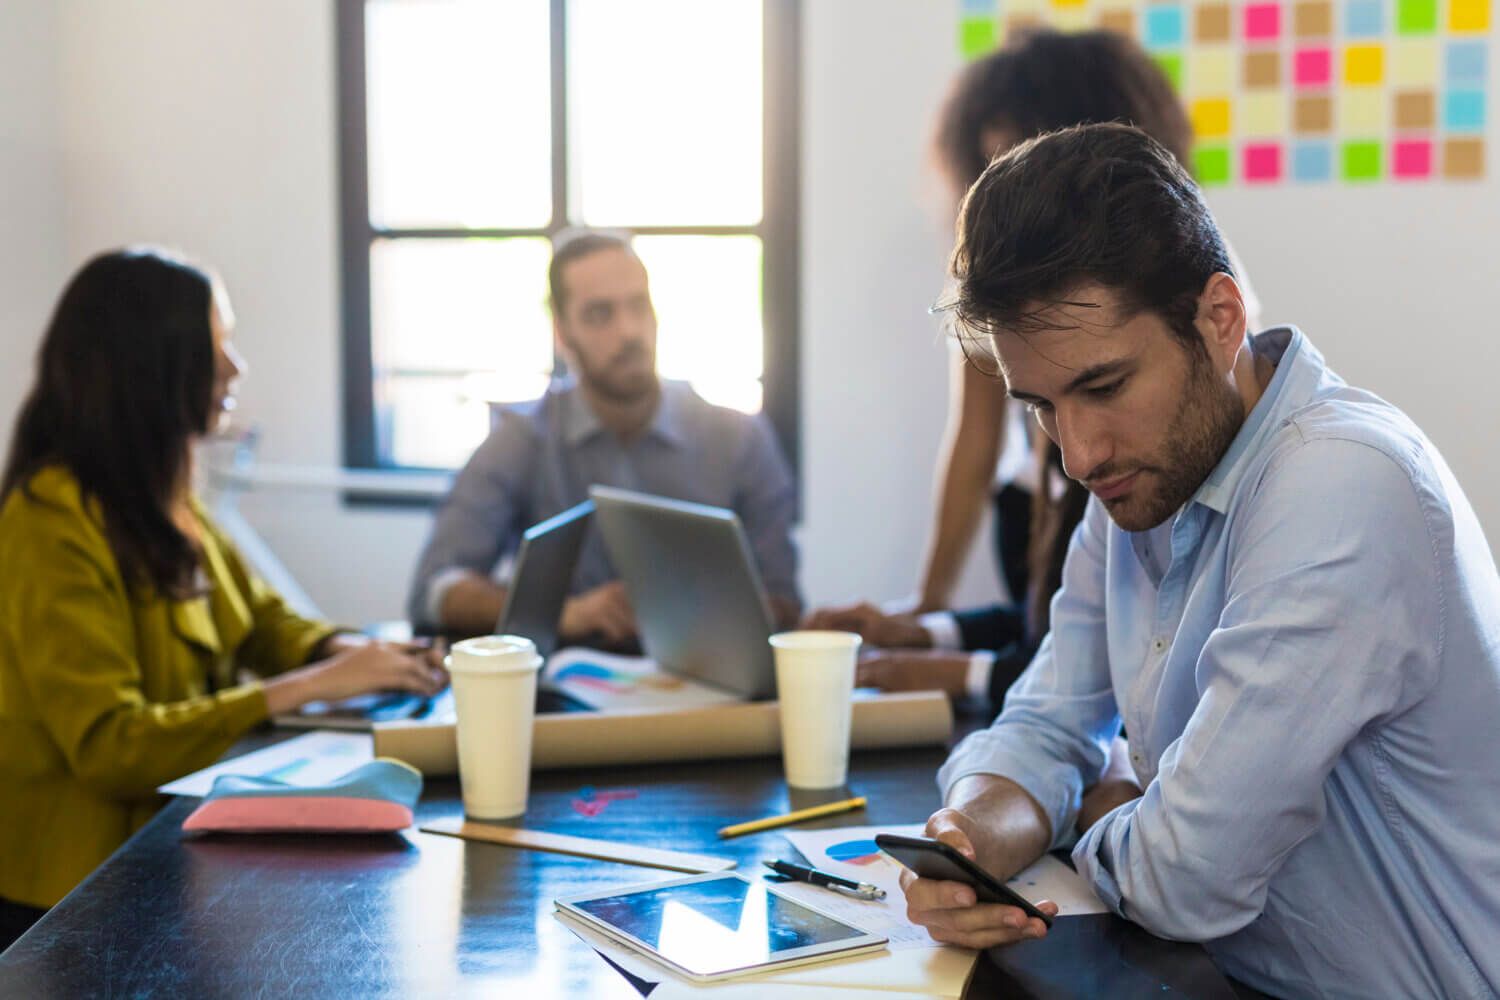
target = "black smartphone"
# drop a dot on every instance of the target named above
(936, 860)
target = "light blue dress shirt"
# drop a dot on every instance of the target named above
(1308, 666)
(542, 456)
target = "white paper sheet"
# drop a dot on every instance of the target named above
(1051, 879)
(850, 851)
(311, 759)
(609, 681)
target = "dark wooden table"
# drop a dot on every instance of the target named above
(424, 915)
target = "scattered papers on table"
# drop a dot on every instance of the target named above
(311, 759)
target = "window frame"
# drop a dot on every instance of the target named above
(777, 230)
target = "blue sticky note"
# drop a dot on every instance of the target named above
(1163, 26)
(1465, 64)
(1364, 19)
(1463, 111)
(1312, 161)
(980, 8)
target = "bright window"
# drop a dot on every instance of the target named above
(474, 131)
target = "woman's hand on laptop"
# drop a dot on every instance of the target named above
(604, 613)
(357, 668)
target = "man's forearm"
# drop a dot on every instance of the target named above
(1015, 829)
(472, 604)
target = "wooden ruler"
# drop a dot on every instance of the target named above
(583, 847)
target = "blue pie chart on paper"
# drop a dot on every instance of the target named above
(855, 852)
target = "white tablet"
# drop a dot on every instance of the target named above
(708, 927)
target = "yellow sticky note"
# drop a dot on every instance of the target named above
(1468, 15)
(1364, 64)
(1210, 70)
(1069, 3)
(1210, 117)
(1414, 63)
(1362, 111)
(1263, 114)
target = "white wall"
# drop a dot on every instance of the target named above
(32, 264)
(874, 241)
(209, 124)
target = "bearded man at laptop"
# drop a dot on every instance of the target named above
(613, 421)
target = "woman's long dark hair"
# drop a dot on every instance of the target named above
(124, 382)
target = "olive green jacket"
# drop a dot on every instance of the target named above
(108, 692)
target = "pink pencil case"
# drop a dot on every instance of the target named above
(377, 797)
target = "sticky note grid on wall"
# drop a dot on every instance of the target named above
(1300, 91)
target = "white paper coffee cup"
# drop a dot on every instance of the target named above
(815, 685)
(494, 695)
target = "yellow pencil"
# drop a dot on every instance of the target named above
(796, 816)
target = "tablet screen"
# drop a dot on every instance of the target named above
(718, 924)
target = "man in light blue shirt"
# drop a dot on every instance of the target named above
(613, 422)
(1279, 589)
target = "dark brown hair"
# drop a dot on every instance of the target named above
(1044, 80)
(1092, 204)
(569, 246)
(124, 381)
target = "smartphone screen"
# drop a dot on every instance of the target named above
(936, 860)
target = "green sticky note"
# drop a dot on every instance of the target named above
(976, 36)
(1211, 165)
(1171, 65)
(1416, 17)
(1361, 161)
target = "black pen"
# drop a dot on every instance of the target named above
(812, 876)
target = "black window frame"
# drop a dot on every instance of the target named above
(778, 229)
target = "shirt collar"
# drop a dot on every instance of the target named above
(1299, 369)
(581, 424)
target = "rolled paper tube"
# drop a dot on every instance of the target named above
(717, 732)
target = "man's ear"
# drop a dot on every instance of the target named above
(1221, 319)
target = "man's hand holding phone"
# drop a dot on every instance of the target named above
(951, 911)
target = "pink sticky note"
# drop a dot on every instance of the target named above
(1413, 158)
(1262, 161)
(1312, 67)
(1262, 21)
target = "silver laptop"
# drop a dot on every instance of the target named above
(543, 574)
(694, 587)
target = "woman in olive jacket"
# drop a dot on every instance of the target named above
(126, 616)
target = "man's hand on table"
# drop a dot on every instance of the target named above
(603, 612)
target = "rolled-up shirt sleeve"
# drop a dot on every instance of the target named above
(1053, 736)
(479, 520)
(766, 503)
(1323, 632)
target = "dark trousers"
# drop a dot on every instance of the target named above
(16, 919)
(1012, 537)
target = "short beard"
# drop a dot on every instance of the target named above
(604, 382)
(1208, 417)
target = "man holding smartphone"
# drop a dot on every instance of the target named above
(1278, 588)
